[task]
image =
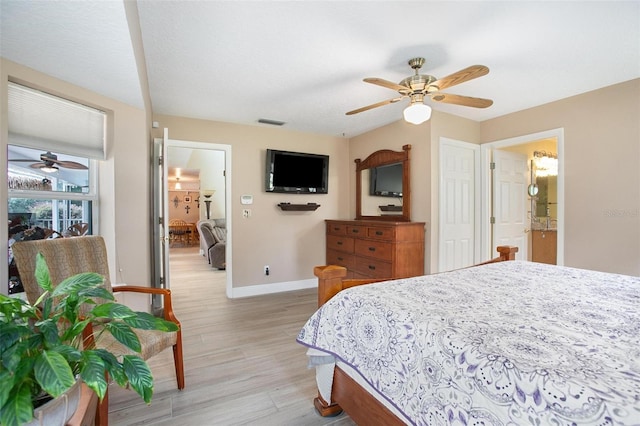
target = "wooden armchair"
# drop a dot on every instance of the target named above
(70, 256)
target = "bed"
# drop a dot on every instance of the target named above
(501, 343)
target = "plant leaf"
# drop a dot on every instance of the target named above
(124, 334)
(76, 283)
(113, 366)
(139, 376)
(18, 408)
(93, 373)
(99, 292)
(6, 384)
(112, 310)
(53, 373)
(146, 321)
(75, 330)
(42, 273)
(49, 329)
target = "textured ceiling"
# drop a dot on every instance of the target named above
(302, 62)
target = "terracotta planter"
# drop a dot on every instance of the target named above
(58, 411)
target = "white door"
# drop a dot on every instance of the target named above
(510, 201)
(458, 192)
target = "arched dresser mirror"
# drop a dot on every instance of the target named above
(381, 158)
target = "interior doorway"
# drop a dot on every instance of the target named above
(528, 144)
(203, 191)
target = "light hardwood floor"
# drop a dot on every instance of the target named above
(242, 363)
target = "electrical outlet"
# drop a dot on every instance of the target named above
(266, 269)
(246, 213)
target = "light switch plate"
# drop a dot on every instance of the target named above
(246, 199)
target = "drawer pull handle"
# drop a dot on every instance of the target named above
(379, 232)
(355, 231)
(372, 249)
(372, 267)
(339, 243)
(340, 258)
(336, 229)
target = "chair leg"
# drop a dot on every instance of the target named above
(177, 360)
(102, 412)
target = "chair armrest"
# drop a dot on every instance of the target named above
(166, 293)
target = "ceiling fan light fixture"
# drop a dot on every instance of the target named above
(49, 169)
(417, 113)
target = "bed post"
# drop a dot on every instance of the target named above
(329, 284)
(507, 252)
(329, 281)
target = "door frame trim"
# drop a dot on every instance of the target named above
(227, 209)
(486, 150)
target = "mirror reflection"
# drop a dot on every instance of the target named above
(544, 205)
(382, 186)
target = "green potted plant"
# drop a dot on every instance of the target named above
(46, 348)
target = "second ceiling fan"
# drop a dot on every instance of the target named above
(419, 86)
(49, 163)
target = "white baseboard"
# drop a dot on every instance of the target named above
(259, 290)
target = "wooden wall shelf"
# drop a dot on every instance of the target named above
(299, 207)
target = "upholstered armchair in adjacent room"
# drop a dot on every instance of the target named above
(70, 256)
(213, 241)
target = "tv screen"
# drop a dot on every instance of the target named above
(296, 172)
(386, 181)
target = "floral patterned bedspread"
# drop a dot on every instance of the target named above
(510, 343)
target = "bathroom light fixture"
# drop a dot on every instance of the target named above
(546, 163)
(417, 113)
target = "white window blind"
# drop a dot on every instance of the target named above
(43, 121)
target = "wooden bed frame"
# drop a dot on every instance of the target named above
(347, 394)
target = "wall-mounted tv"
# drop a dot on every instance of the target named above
(296, 172)
(386, 181)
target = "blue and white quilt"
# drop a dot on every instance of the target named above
(509, 343)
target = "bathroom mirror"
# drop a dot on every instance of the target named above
(543, 190)
(383, 207)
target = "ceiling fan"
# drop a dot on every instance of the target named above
(419, 86)
(49, 163)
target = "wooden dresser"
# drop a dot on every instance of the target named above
(376, 249)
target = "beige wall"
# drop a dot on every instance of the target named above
(124, 219)
(602, 172)
(602, 179)
(291, 243)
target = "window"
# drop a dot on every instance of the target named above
(52, 157)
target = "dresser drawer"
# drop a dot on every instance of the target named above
(372, 268)
(376, 249)
(339, 258)
(381, 233)
(336, 242)
(357, 231)
(336, 229)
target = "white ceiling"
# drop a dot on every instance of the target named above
(302, 62)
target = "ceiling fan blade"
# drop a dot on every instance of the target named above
(23, 160)
(469, 73)
(376, 105)
(461, 100)
(388, 84)
(70, 165)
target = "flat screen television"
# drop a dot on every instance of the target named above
(386, 181)
(296, 172)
